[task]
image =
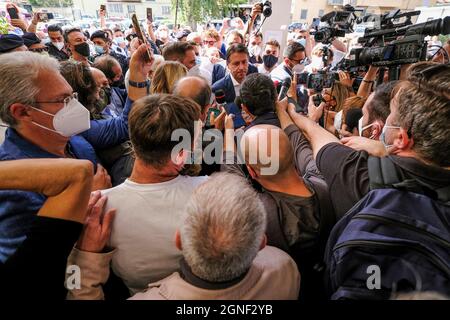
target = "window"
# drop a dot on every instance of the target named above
(335, 2)
(304, 14)
(165, 10)
(131, 8)
(321, 13)
(115, 7)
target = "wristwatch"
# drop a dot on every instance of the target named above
(139, 85)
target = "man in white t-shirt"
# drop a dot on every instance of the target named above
(152, 201)
(270, 56)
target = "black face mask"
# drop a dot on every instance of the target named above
(107, 95)
(270, 61)
(119, 83)
(105, 99)
(83, 49)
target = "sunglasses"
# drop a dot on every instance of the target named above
(211, 43)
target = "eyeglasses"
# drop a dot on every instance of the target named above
(66, 101)
(211, 42)
(39, 50)
(298, 61)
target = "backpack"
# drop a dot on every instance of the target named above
(396, 239)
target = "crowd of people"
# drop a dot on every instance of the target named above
(98, 201)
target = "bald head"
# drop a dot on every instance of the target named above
(99, 77)
(195, 88)
(268, 151)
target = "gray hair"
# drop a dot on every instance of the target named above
(19, 80)
(223, 229)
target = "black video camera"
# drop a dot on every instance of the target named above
(338, 24)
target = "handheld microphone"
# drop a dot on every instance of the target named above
(220, 97)
(284, 88)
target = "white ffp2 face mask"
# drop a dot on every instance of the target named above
(71, 120)
(58, 45)
(361, 129)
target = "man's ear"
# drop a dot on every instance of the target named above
(263, 242)
(252, 172)
(244, 108)
(402, 140)
(20, 112)
(376, 129)
(204, 114)
(178, 240)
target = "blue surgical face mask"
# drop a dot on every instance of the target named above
(302, 42)
(383, 136)
(99, 49)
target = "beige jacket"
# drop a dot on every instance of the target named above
(272, 276)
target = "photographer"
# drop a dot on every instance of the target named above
(294, 57)
(415, 137)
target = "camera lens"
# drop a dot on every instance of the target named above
(267, 9)
(319, 36)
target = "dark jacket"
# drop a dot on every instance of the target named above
(219, 72)
(60, 55)
(226, 84)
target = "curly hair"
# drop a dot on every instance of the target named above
(258, 94)
(80, 78)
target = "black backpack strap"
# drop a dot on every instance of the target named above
(383, 173)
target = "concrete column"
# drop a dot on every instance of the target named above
(277, 24)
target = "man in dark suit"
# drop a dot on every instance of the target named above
(219, 72)
(237, 63)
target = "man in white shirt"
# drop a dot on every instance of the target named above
(271, 54)
(151, 202)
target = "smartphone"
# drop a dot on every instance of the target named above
(28, 7)
(140, 34)
(45, 16)
(150, 14)
(13, 14)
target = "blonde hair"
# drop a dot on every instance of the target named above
(341, 93)
(166, 75)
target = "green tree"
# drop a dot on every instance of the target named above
(51, 3)
(194, 11)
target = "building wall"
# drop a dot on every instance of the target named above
(161, 8)
(314, 7)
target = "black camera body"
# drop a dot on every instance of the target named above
(266, 8)
(410, 48)
(327, 34)
(338, 24)
(318, 81)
